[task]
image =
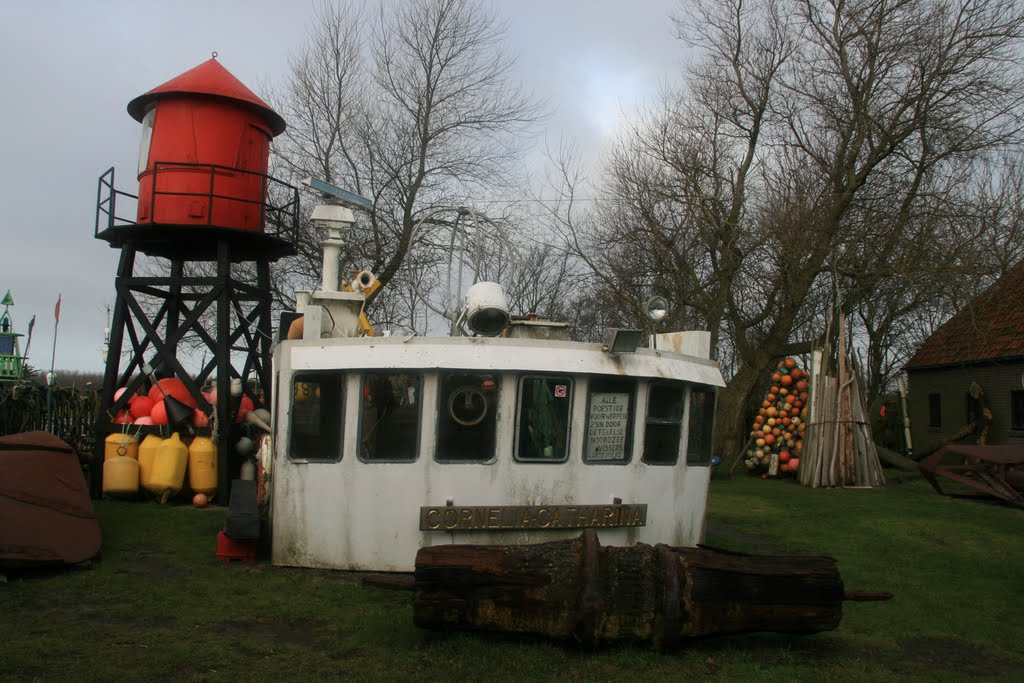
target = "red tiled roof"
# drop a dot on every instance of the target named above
(990, 328)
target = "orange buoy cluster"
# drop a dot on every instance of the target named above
(776, 439)
(149, 409)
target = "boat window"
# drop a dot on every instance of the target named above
(543, 422)
(390, 417)
(467, 417)
(702, 425)
(609, 436)
(663, 433)
(317, 416)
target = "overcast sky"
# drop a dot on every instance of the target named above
(68, 69)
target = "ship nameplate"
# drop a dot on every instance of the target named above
(529, 517)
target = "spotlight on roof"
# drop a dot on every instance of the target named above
(487, 309)
(619, 340)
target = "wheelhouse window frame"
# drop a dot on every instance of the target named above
(468, 407)
(665, 422)
(323, 407)
(560, 391)
(604, 426)
(701, 405)
(389, 401)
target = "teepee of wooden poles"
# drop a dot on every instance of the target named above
(838, 447)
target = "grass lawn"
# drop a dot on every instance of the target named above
(158, 606)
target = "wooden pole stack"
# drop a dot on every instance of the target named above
(838, 447)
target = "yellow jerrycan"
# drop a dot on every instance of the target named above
(147, 458)
(121, 476)
(120, 443)
(169, 468)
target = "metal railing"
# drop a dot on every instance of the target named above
(106, 204)
(278, 201)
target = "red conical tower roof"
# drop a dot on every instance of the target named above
(212, 80)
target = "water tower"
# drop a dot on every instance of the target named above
(210, 222)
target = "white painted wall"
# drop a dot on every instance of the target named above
(365, 516)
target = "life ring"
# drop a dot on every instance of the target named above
(467, 406)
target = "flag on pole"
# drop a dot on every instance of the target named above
(56, 310)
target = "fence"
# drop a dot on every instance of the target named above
(72, 413)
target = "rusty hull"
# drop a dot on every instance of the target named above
(46, 515)
(997, 471)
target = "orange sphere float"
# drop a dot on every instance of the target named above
(159, 413)
(245, 406)
(200, 500)
(172, 386)
(141, 406)
(778, 423)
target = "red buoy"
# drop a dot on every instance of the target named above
(205, 151)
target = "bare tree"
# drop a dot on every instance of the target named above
(414, 106)
(809, 160)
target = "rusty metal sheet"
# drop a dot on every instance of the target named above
(46, 515)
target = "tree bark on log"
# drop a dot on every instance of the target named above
(659, 594)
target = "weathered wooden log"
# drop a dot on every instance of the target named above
(580, 590)
(894, 459)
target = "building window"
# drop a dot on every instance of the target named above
(317, 415)
(390, 417)
(1017, 409)
(701, 426)
(467, 417)
(664, 429)
(972, 408)
(934, 411)
(542, 428)
(609, 437)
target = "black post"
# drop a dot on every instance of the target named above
(264, 327)
(125, 266)
(223, 354)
